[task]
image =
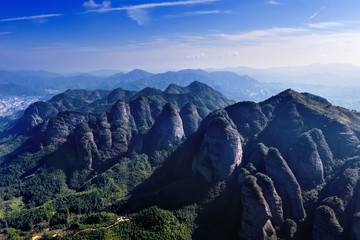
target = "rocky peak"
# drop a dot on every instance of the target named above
(286, 185)
(255, 219)
(305, 161)
(167, 130)
(140, 110)
(326, 226)
(120, 111)
(190, 118)
(221, 150)
(116, 95)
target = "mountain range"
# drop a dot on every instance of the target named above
(183, 163)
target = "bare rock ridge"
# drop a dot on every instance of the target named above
(255, 221)
(167, 130)
(305, 161)
(190, 118)
(273, 199)
(326, 226)
(220, 151)
(286, 185)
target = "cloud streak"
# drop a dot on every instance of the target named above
(316, 13)
(198, 13)
(154, 5)
(31, 17)
(325, 25)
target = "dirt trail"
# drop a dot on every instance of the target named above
(119, 220)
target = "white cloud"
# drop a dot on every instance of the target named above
(5, 33)
(316, 13)
(155, 5)
(228, 54)
(261, 34)
(30, 17)
(138, 15)
(196, 56)
(272, 3)
(325, 25)
(93, 4)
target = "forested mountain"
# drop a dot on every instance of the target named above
(184, 163)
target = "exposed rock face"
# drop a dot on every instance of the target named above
(85, 148)
(305, 161)
(103, 135)
(167, 131)
(286, 185)
(342, 139)
(60, 127)
(220, 152)
(36, 113)
(255, 220)
(326, 225)
(120, 112)
(190, 118)
(322, 148)
(271, 197)
(140, 110)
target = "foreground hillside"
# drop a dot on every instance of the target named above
(160, 165)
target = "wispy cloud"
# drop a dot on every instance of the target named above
(325, 25)
(272, 3)
(138, 15)
(260, 34)
(228, 54)
(154, 5)
(197, 13)
(316, 13)
(31, 17)
(5, 33)
(196, 56)
(138, 12)
(93, 4)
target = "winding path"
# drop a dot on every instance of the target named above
(119, 220)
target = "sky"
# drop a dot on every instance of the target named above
(158, 35)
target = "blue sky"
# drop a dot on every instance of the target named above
(72, 35)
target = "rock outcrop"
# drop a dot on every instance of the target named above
(305, 161)
(272, 198)
(120, 112)
(190, 118)
(285, 184)
(86, 148)
(140, 110)
(60, 127)
(167, 130)
(326, 226)
(256, 214)
(220, 151)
